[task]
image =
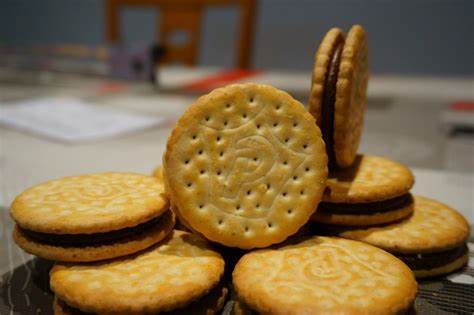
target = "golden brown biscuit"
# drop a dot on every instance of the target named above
(99, 251)
(370, 179)
(431, 241)
(374, 190)
(210, 304)
(323, 275)
(321, 62)
(90, 203)
(166, 277)
(91, 217)
(338, 92)
(245, 166)
(351, 90)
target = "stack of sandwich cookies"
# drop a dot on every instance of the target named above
(181, 275)
(91, 217)
(245, 166)
(324, 275)
(373, 190)
(338, 92)
(431, 242)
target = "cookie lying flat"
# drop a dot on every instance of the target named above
(210, 304)
(338, 92)
(374, 190)
(167, 277)
(431, 242)
(245, 166)
(323, 275)
(91, 217)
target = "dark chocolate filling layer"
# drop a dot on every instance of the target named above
(365, 208)
(188, 309)
(329, 98)
(89, 239)
(432, 260)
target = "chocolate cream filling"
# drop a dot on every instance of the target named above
(432, 260)
(80, 240)
(365, 208)
(329, 99)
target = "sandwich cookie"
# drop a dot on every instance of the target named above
(338, 92)
(431, 242)
(245, 166)
(324, 275)
(91, 217)
(374, 190)
(181, 275)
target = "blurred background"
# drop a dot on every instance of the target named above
(96, 85)
(92, 86)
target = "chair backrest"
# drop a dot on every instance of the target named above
(183, 17)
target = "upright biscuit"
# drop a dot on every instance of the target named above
(324, 275)
(168, 276)
(338, 92)
(351, 90)
(245, 166)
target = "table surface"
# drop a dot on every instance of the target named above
(402, 122)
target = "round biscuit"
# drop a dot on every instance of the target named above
(90, 203)
(324, 275)
(363, 219)
(432, 228)
(245, 166)
(130, 245)
(369, 179)
(321, 62)
(171, 275)
(351, 89)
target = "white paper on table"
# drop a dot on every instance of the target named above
(71, 120)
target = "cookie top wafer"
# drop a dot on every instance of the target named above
(322, 60)
(90, 203)
(324, 275)
(245, 166)
(171, 275)
(351, 90)
(433, 227)
(369, 179)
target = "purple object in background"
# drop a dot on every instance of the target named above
(131, 63)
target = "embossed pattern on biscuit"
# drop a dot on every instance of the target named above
(371, 178)
(240, 162)
(168, 276)
(90, 203)
(324, 275)
(432, 227)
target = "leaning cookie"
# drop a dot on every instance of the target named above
(374, 190)
(338, 92)
(245, 166)
(431, 242)
(91, 217)
(181, 275)
(324, 275)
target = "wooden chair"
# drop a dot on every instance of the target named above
(185, 16)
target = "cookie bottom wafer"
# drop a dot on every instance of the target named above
(131, 244)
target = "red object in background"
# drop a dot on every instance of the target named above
(219, 79)
(462, 106)
(112, 87)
